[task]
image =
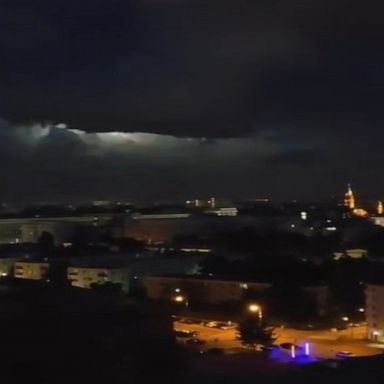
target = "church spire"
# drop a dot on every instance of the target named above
(349, 198)
(379, 208)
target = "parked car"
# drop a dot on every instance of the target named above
(225, 326)
(195, 341)
(194, 321)
(187, 320)
(211, 324)
(269, 348)
(344, 354)
(185, 334)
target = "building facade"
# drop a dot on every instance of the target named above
(216, 292)
(29, 230)
(85, 277)
(7, 265)
(374, 311)
(31, 270)
(209, 291)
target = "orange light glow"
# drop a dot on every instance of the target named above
(379, 208)
(360, 212)
(253, 308)
(349, 198)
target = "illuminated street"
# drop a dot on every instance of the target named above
(323, 343)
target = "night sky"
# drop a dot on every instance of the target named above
(171, 99)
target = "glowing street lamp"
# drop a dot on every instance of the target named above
(254, 308)
(181, 299)
(346, 319)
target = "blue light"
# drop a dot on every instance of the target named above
(297, 355)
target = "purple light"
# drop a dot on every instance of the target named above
(293, 352)
(306, 348)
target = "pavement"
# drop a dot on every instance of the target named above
(322, 343)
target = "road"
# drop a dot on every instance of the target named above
(322, 343)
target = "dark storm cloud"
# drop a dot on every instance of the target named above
(298, 157)
(55, 163)
(180, 98)
(49, 163)
(189, 67)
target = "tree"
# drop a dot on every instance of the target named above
(251, 332)
(108, 286)
(46, 244)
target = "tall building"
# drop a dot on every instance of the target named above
(374, 311)
(349, 199)
(379, 208)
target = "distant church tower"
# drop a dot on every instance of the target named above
(349, 199)
(379, 208)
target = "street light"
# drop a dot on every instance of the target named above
(350, 326)
(181, 299)
(254, 308)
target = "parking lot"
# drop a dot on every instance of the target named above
(322, 343)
